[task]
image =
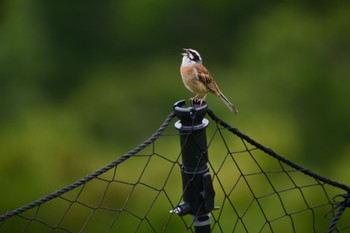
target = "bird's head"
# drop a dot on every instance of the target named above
(191, 57)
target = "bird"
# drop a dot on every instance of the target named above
(198, 80)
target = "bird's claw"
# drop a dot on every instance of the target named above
(192, 101)
(196, 100)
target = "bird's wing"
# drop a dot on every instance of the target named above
(203, 75)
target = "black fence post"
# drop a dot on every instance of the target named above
(198, 191)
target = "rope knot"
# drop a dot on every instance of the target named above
(341, 206)
(345, 201)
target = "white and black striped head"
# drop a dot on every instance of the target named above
(191, 57)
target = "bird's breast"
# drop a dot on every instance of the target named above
(189, 78)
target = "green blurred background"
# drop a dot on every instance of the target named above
(83, 82)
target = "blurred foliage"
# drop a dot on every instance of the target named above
(83, 82)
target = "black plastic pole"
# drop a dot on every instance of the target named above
(198, 191)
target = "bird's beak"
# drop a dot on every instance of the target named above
(186, 52)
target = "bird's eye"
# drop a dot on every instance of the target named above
(194, 56)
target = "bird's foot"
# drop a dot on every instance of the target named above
(202, 100)
(194, 100)
(197, 101)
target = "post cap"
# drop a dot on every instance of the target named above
(191, 118)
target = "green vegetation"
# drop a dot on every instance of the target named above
(81, 83)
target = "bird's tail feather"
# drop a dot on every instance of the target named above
(228, 103)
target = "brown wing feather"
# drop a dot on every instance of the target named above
(204, 76)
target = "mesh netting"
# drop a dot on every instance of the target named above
(256, 189)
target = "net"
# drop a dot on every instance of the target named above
(256, 189)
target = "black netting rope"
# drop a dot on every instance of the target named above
(93, 175)
(338, 206)
(341, 206)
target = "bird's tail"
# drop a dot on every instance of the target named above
(228, 103)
